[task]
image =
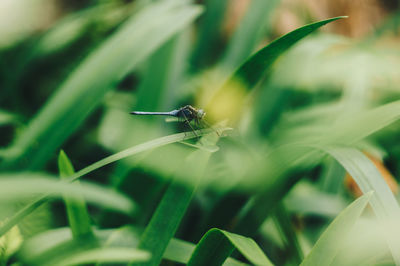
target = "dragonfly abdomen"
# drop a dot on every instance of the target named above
(152, 113)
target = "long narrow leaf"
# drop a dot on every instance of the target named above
(382, 202)
(249, 32)
(110, 255)
(173, 205)
(177, 250)
(329, 244)
(216, 245)
(77, 213)
(16, 187)
(228, 101)
(208, 33)
(110, 159)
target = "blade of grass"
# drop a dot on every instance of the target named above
(228, 101)
(164, 73)
(284, 225)
(209, 31)
(181, 251)
(292, 154)
(173, 205)
(158, 77)
(308, 199)
(110, 159)
(343, 129)
(177, 250)
(97, 74)
(105, 255)
(330, 242)
(15, 187)
(331, 179)
(248, 33)
(72, 252)
(270, 104)
(7, 118)
(77, 213)
(350, 129)
(368, 178)
(216, 245)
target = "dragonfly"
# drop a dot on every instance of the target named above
(185, 114)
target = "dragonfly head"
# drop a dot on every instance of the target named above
(200, 113)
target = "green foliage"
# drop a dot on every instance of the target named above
(78, 216)
(306, 111)
(173, 205)
(96, 75)
(212, 249)
(330, 242)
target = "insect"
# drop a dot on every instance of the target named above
(186, 114)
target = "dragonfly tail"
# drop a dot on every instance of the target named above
(151, 113)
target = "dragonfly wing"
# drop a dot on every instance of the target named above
(172, 119)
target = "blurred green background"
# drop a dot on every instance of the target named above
(304, 120)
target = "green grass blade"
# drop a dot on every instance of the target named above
(165, 220)
(16, 187)
(216, 245)
(209, 32)
(330, 242)
(350, 129)
(65, 251)
(249, 32)
(141, 148)
(98, 73)
(34, 248)
(178, 251)
(342, 129)
(173, 205)
(77, 213)
(105, 255)
(110, 159)
(181, 251)
(294, 154)
(229, 99)
(155, 89)
(368, 178)
(7, 118)
(307, 199)
(287, 232)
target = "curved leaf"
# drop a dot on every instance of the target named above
(368, 178)
(177, 250)
(216, 245)
(329, 243)
(228, 101)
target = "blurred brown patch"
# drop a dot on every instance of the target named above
(352, 186)
(235, 12)
(364, 15)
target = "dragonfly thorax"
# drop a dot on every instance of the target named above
(189, 113)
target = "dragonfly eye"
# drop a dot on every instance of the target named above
(201, 113)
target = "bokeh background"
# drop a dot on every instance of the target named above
(321, 92)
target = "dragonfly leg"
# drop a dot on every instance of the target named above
(187, 121)
(210, 126)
